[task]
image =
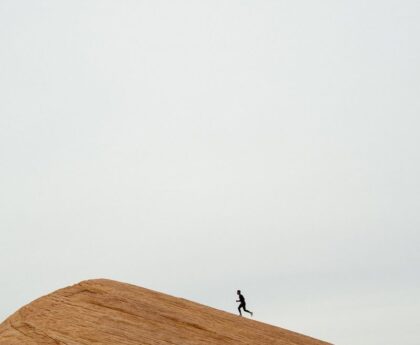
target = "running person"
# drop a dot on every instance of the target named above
(242, 304)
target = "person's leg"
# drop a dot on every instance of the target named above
(239, 309)
(249, 312)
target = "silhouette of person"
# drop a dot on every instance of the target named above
(242, 304)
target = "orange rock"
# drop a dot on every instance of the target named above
(108, 312)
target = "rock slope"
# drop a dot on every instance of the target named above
(108, 312)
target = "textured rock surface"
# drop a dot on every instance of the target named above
(108, 312)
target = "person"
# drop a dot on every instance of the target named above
(242, 304)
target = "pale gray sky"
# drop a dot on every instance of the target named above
(198, 147)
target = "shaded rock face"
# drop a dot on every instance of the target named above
(108, 312)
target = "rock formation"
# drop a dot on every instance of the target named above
(108, 312)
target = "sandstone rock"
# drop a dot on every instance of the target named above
(108, 312)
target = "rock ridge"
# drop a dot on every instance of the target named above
(108, 312)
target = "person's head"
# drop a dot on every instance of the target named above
(238, 292)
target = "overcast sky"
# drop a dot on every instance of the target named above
(197, 147)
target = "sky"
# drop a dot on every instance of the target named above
(200, 147)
